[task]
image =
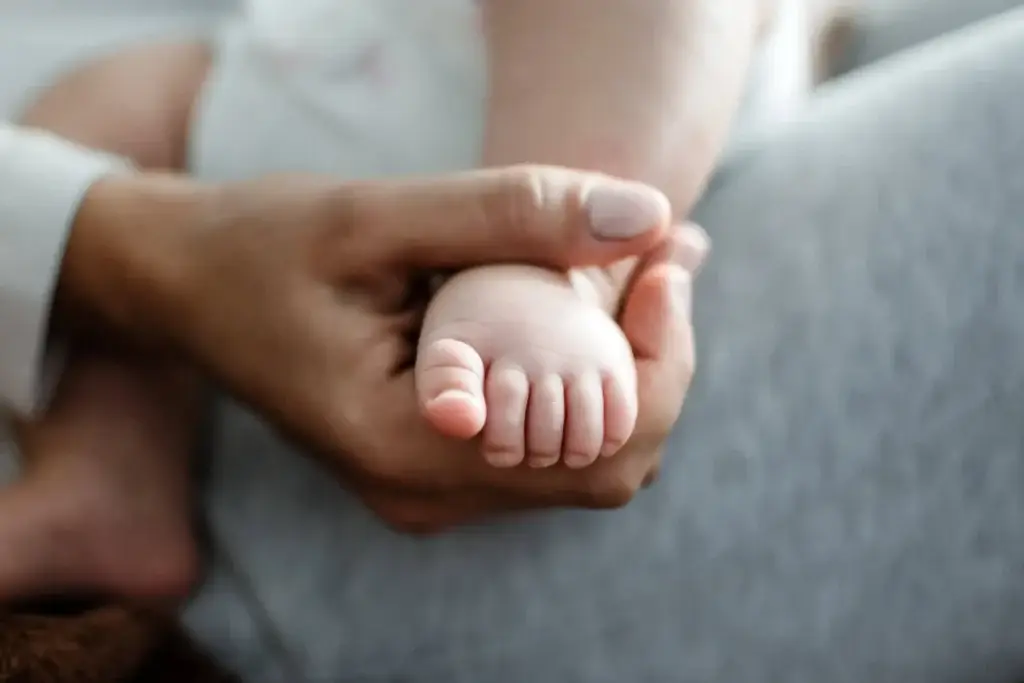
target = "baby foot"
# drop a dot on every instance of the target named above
(532, 361)
(103, 506)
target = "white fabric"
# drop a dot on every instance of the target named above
(42, 182)
(365, 89)
(376, 88)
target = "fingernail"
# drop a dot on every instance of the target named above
(504, 460)
(622, 211)
(577, 461)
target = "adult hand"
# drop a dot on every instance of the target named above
(285, 289)
(421, 482)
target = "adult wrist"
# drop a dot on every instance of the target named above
(125, 264)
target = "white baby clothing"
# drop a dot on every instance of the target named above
(355, 88)
(376, 88)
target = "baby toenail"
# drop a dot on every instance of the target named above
(452, 395)
(610, 449)
(576, 460)
(503, 458)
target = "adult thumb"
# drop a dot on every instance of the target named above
(546, 215)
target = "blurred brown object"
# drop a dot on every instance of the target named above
(105, 644)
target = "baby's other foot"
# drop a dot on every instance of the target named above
(532, 361)
(104, 504)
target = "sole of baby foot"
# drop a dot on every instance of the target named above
(68, 540)
(449, 379)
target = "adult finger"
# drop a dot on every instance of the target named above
(536, 214)
(425, 513)
(656, 319)
(406, 454)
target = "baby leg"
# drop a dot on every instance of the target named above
(135, 103)
(530, 358)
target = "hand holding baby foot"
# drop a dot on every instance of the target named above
(529, 357)
(427, 483)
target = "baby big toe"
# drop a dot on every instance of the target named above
(508, 393)
(584, 429)
(545, 421)
(449, 381)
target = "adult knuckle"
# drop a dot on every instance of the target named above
(342, 204)
(521, 197)
(340, 218)
(612, 489)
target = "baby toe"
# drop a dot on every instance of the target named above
(620, 410)
(545, 421)
(584, 428)
(449, 382)
(508, 393)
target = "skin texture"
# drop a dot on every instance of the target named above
(325, 369)
(326, 261)
(644, 90)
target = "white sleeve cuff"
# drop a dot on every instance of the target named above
(43, 180)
